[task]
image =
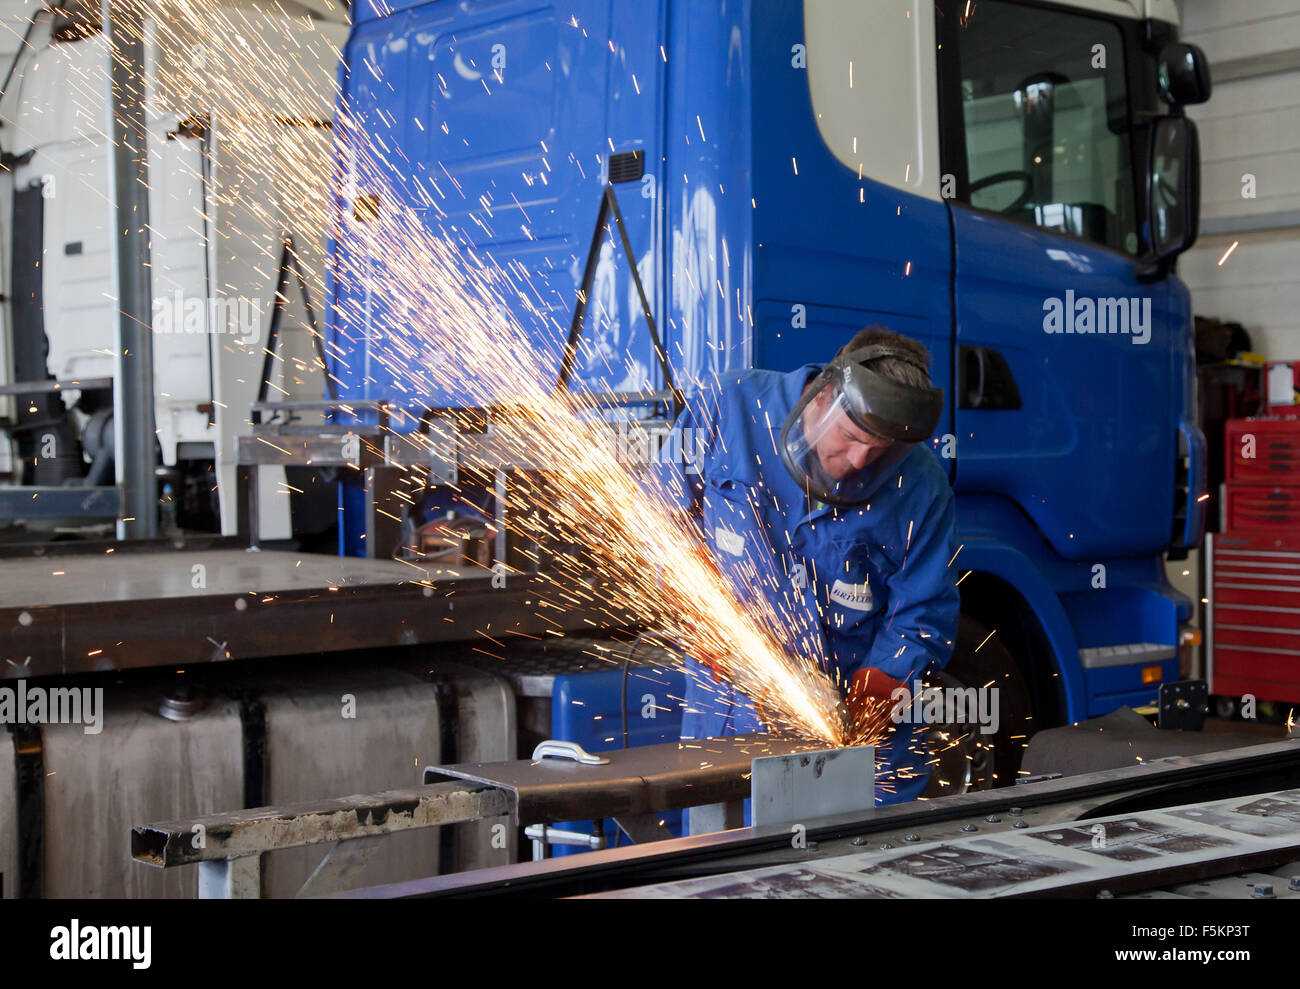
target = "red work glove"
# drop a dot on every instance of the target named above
(866, 690)
(715, 667)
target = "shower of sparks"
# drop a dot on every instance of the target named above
(649, 560)
(450, 326)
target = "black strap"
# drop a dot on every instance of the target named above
(289, 260)
(876, 351)
(609, 204)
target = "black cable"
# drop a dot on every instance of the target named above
(316, 332)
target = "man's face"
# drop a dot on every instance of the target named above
(843, 449)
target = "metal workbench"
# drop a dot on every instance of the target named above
(117, 607)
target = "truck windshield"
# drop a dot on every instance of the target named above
(1045, 115)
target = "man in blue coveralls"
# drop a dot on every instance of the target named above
(843, 520)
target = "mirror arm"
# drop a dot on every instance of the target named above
(1150, 268)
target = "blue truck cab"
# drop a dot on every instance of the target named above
(1006, 181)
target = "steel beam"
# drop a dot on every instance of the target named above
(243, 834)
(647, 779)
(48, 502)
(50, 385)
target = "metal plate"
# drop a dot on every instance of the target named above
(1183, 705)
(118, 611)
(791, 788)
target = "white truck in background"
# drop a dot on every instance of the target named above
(219, 218)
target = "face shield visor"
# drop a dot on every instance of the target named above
(852, 427)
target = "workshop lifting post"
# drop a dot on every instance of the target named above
(133, 391)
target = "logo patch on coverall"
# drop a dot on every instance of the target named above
(855, 596)
(729, 541)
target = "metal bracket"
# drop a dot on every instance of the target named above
(231, 879)
(543, 836)
(1183, 705)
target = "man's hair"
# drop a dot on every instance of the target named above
(891, 367)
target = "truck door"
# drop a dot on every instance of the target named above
(1064, 365)
(508, 119)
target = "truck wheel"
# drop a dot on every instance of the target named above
(967, 758)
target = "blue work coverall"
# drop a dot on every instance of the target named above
(875, 583)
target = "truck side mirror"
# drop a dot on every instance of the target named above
(1174, 186)
(1173, 194)
(1183, 74)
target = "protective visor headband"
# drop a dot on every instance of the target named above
(881, 405)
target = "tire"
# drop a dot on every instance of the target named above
(968, 759)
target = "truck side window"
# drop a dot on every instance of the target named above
(1044, 110)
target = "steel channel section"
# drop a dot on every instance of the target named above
(245, 833)
(193, 541)
(48, 385)
(498, 449)
(642, 780)
(1159, 783)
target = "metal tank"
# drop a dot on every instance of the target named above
(141, 766)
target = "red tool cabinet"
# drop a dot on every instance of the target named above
(1254, 645)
